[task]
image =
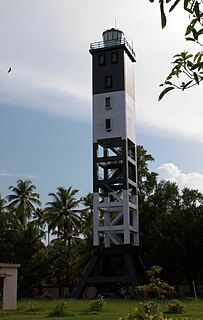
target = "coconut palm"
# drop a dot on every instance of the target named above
(87, 214)
(23, 200)
(82, 249)
(62, 214)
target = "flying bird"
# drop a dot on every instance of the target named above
(9, 70)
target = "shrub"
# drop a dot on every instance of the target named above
(156, 286)
(175, 306)
(32, 306)
(97, 304)
(58, 310)
(145, 311)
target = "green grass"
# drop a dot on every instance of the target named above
(80, 310)
(193, 309)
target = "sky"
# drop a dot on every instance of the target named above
(45, 101)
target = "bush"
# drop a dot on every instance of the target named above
(175, 306)
(145, 311)
(58, 310)
(156, 287)
(97, 304)
(32, 306)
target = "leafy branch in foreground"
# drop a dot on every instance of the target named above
(187, 67)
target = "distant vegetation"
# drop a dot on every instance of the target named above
(171, 224)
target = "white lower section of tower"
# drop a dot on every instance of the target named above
(116, 219)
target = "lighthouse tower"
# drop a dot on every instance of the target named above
(115, 204)
(115, 201)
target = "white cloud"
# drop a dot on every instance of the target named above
(46, 44)
(4, 173)
(169, 171)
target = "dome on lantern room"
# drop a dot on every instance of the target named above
(112, 34)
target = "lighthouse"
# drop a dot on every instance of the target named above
(115, 205)
(115, 200)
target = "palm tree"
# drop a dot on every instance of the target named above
(62, 213)
(82, 249)
(23, 199)
(87, 215)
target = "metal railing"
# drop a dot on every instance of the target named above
(111, 43)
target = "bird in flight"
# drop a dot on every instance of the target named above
(9, 70)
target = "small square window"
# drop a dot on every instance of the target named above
(108, 125)
(114, 57)
(108, 82)
(108, 103)
(101, 59)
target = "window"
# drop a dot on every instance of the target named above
(114, 57)
(108, 126)
(108, 103)
(101, 59)
(108, 82)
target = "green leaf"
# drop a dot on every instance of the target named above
(163, 16)
(200, 32)
(196, 9)
(187, 84)
(193, 22)
(186, 4)
(188, 56)
(188, 30)
(189, 64)
(190, 39)
(174, 5)
(197, 66)
(164, 92)
(196, 77)
(178, 61)
(195, 34)
(200, 58)
(197, 55)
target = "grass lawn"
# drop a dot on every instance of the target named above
(80, 310)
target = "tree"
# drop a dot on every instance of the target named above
(2, 204)
(23, 200)
(187, 67)
(158, 208)
(188, 235)
(27, 246)
(146, 179)
(87, 214)
(62, 214)
(171, 232)
(82, 249)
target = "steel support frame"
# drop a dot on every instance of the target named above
(115, 192)
(105, 279)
